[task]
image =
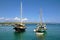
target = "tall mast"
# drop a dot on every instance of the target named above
(41, 16)
(21, 13)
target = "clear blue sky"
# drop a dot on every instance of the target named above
(31, 9)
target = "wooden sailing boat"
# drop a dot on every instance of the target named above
(40, 27)
(20, 27)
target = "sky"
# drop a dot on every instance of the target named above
(10, 10)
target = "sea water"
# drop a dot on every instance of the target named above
(52, 33)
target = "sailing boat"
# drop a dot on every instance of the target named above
(20, 27)
(40, 27)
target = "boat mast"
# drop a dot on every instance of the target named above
(41, 16)
(21, 12)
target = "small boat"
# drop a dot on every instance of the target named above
(40, 27)
(20, 27)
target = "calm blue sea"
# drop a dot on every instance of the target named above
(52, 33)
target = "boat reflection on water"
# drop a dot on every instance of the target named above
(18, 35)
(41, 36)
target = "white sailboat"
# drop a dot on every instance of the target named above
(20, 27)
(40, 27)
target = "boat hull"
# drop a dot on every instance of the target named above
(40, 29)
(19, 29)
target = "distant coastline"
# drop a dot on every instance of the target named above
(26, 23)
